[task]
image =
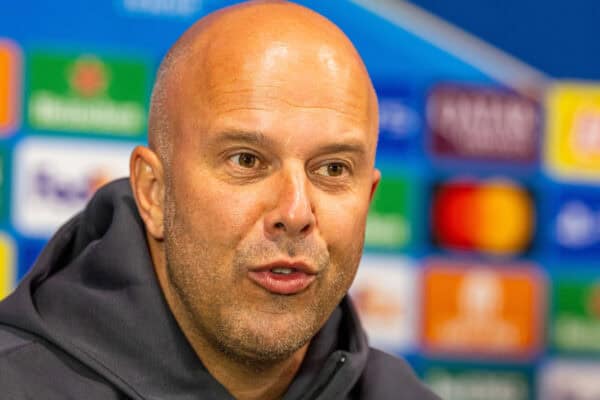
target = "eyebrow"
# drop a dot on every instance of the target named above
(351, 147)
(258, 138)
(251, 137)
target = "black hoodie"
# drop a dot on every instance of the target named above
(89, 322)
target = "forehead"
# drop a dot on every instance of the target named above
(232, 80)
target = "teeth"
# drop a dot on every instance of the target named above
(282, 271)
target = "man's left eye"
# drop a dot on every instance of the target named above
(332, 169)
(245, 160)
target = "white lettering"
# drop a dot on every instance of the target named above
(175, 8)
(70, 114)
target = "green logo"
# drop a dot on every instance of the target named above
(576, 319)
(389, 224)
(475, 384)
(87, 93)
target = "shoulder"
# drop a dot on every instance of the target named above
(12, 340)
(29, 366)
(16, 348)
(389, 377)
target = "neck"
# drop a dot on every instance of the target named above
(248, 380)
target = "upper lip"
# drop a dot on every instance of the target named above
(299, 265)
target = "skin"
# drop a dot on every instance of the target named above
(263, 129)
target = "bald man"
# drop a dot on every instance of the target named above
(220, 269)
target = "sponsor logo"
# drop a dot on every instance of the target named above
(577, 226)
(162, 8)
(400, 121)
(576, 319)
(569, 380)
(389, 224)
(10, 87)
(88, 77)
(482, 123)
(384, 292)
(495, 216)
(8, 265)
(573, 131)
(397, 119)
(478, 384)
(479, 310)
(87, 93)
(577, 223)
(55, 178)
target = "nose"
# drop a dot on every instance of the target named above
(292, 213)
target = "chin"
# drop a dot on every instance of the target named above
(274, 337)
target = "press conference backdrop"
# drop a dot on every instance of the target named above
(481, 264)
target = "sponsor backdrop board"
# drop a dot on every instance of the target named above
(483, 241)
(86, 93)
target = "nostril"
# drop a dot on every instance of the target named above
(279, 225)
(305, 229)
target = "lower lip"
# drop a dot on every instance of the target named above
(282, 284)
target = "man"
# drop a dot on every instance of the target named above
(220, 269)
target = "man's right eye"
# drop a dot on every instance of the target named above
(245, 160)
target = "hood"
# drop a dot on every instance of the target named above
(93, 294)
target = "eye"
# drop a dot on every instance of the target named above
(245, 160)
(332, 169)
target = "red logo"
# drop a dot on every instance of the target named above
(493, 216)
(88, 77)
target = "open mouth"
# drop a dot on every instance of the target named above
(282, 279)
(283, 271)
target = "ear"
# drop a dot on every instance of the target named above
(375, 183)
(146, 175)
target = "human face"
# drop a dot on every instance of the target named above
(267, 197)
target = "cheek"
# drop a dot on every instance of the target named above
(217, 211)
(342, 222)
(342, 225)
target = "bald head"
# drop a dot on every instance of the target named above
(254, 44)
